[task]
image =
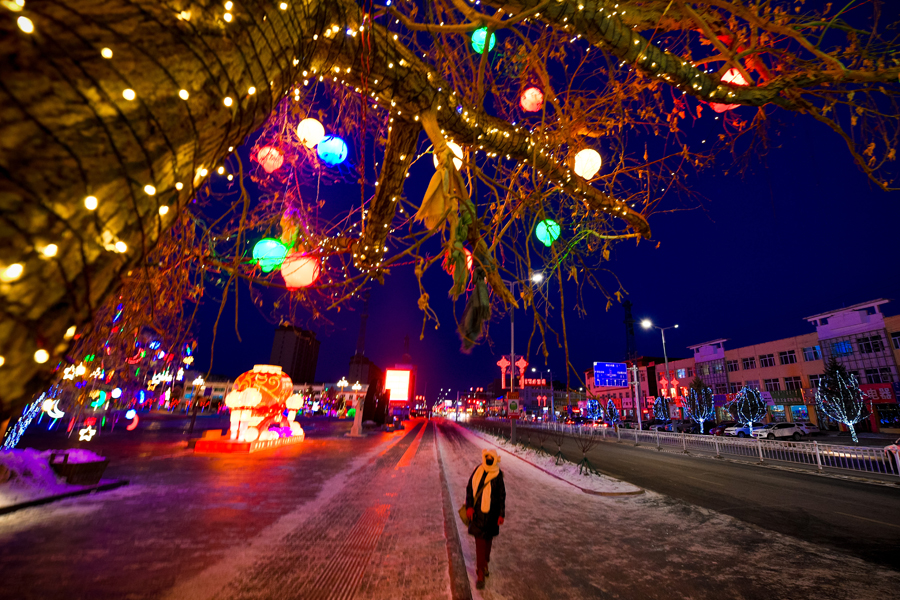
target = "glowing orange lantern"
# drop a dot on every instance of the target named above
(270, 159)
(532, 100)
(257, 400)
(734, 77)
(299, 271)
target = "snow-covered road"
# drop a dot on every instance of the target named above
(560, 543)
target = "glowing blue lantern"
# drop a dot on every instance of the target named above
(269, 253)
(547, 231)
(332, 150)
(479, 37)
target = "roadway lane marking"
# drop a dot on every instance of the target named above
(407, 457)
(703, 480)
(867, 519)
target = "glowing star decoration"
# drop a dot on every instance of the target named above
(51, 407)
(547, 231)
(734, 77)
(85, 435)
(588, 163)
(479, 36)
(299, 271)
(132, 416)
(457, 155)
(332, 150)
(270, 159)
(269, 253)
(531, 100)
(310, 132)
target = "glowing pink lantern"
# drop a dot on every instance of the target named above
(532, 100)
(734, 77)
(270, 159)
(299, 271)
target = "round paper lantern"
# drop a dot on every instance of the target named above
(479, 37)
(332, 150)
(310, 132)
(547, 231)
(457, 155)
(587, 163)
(269, 253)
(299, 271)
(734, 77)
(532, 100)
(270, 159)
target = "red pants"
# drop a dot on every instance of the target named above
(482, 555)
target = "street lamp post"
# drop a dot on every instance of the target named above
(552, 395)
(537, 278)
(647, 324)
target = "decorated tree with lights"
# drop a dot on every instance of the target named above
(593, 410)
(699, 405)
(748, 407)
(557, 129)
(612, 413)
(839, 396)
(661, 408)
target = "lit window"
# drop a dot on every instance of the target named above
(842, 348)
(812, 353)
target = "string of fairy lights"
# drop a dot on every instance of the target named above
(308, 49)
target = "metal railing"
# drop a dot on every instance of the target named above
(821, 456)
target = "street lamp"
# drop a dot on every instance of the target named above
(552, 394)
(647, 324)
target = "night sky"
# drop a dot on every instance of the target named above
(802, 233)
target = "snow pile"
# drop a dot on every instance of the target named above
(565, 470)
(26, 474)
(75, 456)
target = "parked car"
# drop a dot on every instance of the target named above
(655, 425)
(742, 431)
(721, 427)
(808, 428)
(779, 430)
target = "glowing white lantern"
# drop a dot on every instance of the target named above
(310, 132)
(587, 163)
(299, 271)
(457, 154)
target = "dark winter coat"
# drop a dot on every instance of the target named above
(485, 525)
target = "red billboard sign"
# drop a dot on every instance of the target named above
(878, 393)
(397, 381)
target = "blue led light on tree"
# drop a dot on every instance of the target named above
(269, 253)
(479, 36)
(547, 231)
(332, 150)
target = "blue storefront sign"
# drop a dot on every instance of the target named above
(610, 374)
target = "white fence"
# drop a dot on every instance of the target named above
(821, 456)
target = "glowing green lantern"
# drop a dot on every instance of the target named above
(547, 231)
(269, 253)
(479, 36)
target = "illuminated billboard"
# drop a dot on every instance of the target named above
(397, 380)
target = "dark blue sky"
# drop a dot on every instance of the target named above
(803, 233)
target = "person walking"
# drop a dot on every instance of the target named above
(486, 509)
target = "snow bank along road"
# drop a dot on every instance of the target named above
(341, 518)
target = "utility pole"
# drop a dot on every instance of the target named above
(512, 372)
(637, 394)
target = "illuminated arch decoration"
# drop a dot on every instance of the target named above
(257, 401)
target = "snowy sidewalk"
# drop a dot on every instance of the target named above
(560, 543)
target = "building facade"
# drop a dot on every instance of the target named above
(296, 351)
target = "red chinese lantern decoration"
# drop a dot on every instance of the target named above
(274, 385)
(734, 77)
(532, 100)
(269, 158)
(299, 271)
